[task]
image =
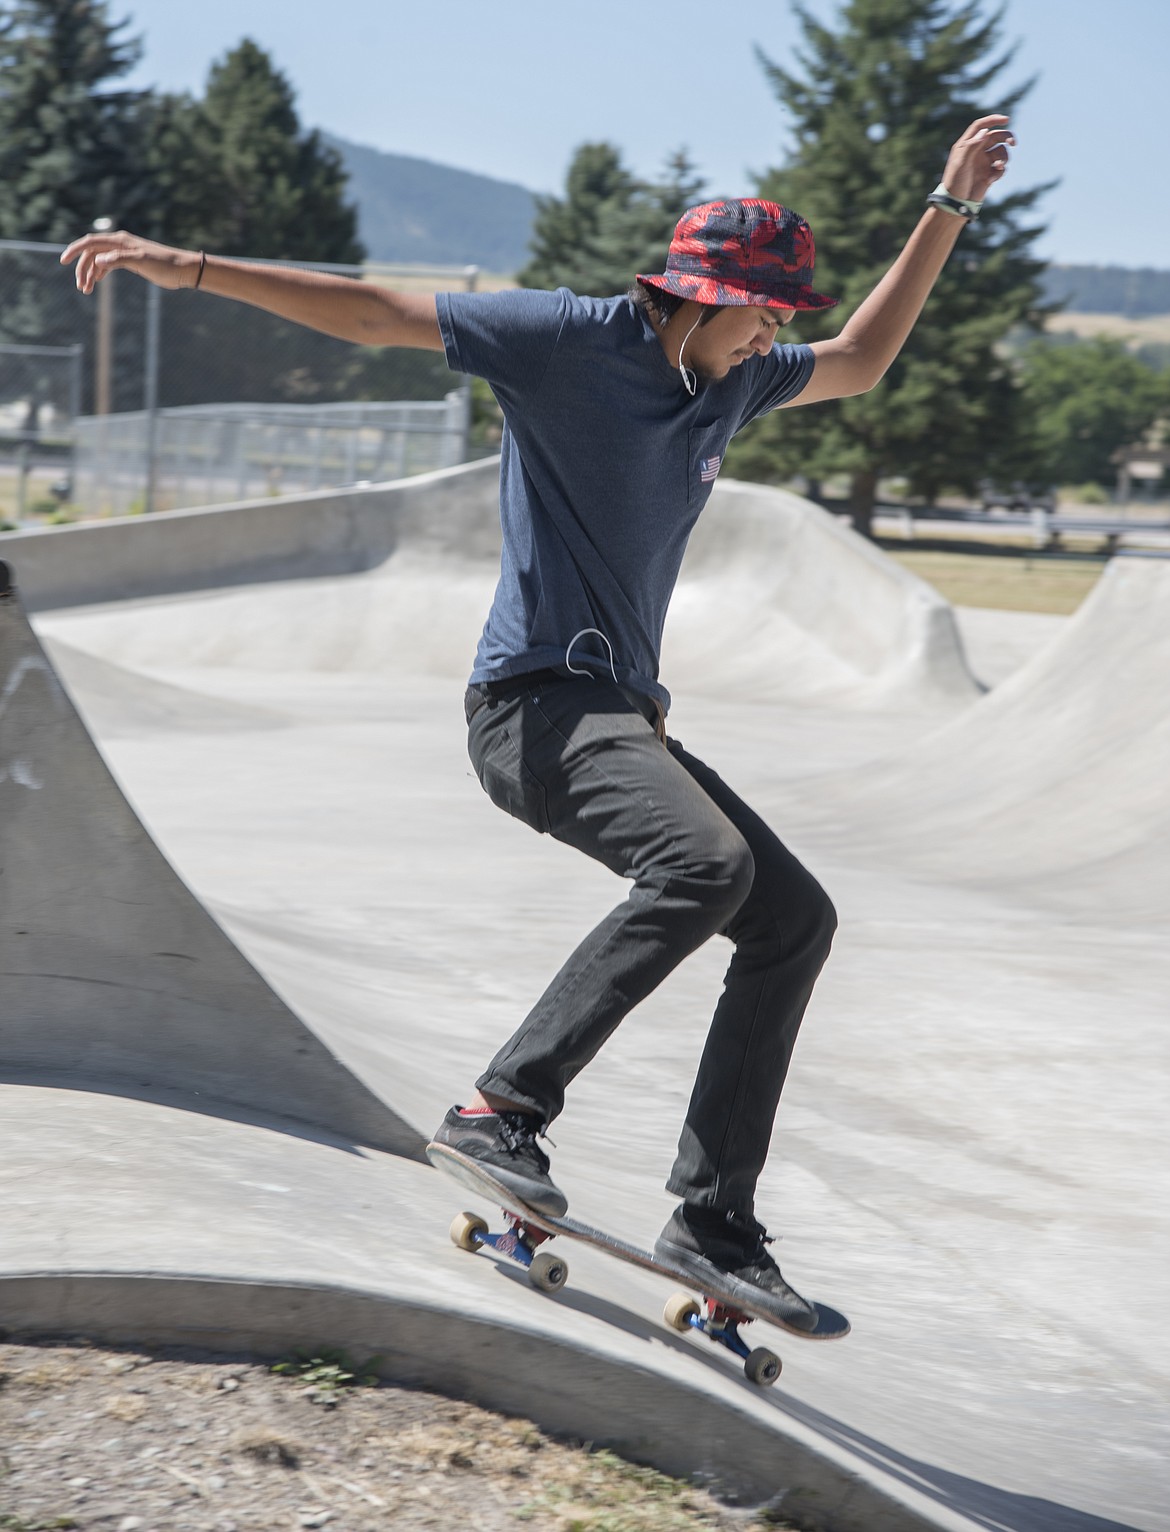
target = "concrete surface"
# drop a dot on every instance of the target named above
(115, 976)
(970, 1158)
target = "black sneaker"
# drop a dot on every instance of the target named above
(730, 1250)
(504, 1143)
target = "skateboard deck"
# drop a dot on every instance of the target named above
(719, 1317)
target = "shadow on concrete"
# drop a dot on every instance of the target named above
(987, 1505)
(408, 1145)
(999, 1510)
(112, 970)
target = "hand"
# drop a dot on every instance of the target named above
(99, 254)
(979, 158)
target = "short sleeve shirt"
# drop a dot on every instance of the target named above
(606, 463)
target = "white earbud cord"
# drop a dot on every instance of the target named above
(690, 381)
(589, 673)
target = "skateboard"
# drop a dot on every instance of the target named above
(719, 1316)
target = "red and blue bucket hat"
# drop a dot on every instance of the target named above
(748, 253)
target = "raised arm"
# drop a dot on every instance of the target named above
(357, 311)
(857, 359)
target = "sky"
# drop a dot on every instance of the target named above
(510, 89)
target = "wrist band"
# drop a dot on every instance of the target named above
(202, 264)
(960, 206)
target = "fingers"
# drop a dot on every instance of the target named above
(95, 255)
(992, 129)
(986, 123)
(980, 157)
(989, 133)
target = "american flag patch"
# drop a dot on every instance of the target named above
(709, 468)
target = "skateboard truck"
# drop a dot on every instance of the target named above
(518, 1242)
(720, 1324)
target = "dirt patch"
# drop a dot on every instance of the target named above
(180, 1441)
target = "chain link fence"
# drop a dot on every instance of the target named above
(210, 454)
(136, 400)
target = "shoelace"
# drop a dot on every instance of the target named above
(754, 1230)
(520, 1132)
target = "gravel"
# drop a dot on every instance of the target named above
(180, 1441)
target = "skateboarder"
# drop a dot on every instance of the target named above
(617, 414)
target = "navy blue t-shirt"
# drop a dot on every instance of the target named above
(606, 463)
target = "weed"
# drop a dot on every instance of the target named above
(328, 1373)
(266, 1446)
(18, 1524)
(604, 1493)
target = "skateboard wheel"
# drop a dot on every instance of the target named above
(762, 1367)
(548, 1272)
(678, 1311)
(467, 1230)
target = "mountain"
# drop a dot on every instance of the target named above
(412, 210)
(1109, 290)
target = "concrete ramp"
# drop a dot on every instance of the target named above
(113, 975)
(297, 743)
(1064, 767)
(777, 599)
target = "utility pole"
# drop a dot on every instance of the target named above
(150, 392)
(105, 333)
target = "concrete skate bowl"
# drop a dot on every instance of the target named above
(1055, 786)
(775, 597)
(115, 972)
(252, 634)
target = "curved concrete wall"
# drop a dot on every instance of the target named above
(889, 630)
(330, 532)
(1063, 765)
(812, 598)
(564, 1388)
(113, 974)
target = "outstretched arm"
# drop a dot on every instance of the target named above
(857, 359)
(351, 310)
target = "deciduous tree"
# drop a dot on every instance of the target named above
(1084, 400)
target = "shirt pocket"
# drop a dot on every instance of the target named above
(705, 448)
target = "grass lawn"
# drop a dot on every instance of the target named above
(1005, 578)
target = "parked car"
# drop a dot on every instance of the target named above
(1016, 497)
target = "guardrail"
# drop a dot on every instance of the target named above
(1047, 528)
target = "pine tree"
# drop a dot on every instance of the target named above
(235, 173)
(179, 162)
(70, 152)
(875, 106)
(272, 190)
(609, 225)
(68, 143)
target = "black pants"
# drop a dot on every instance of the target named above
(579, 760)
